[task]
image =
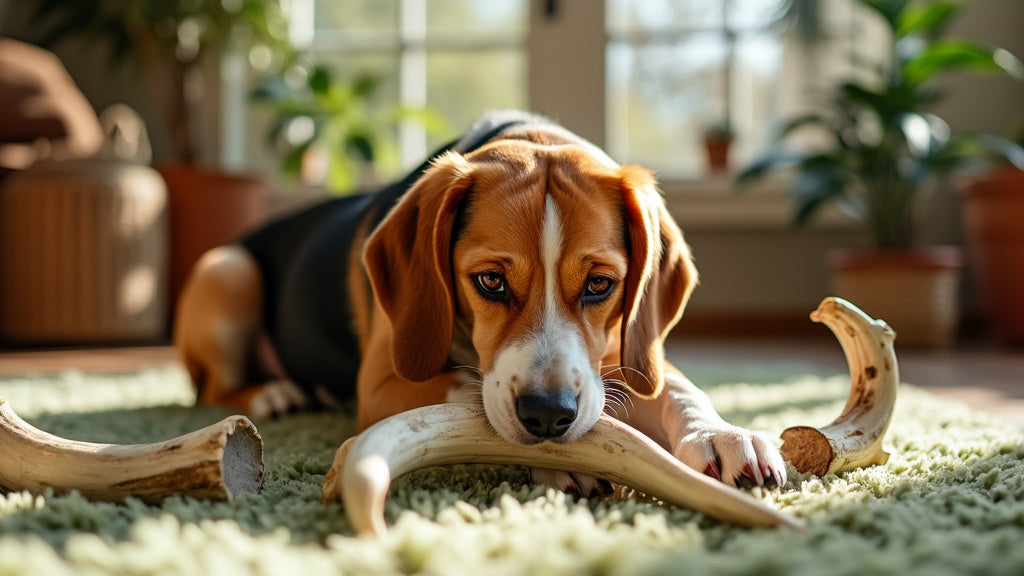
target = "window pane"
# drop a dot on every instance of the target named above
(459, 18)
(357, 16)
(661, 96)
(631, 15)
(747, 14)
(461, 85)
(755, 93)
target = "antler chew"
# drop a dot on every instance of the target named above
(215, 463)
(459, 433)
(854, 439)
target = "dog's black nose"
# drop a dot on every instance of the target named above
(547, 415)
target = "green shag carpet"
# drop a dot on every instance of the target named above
(950, 500)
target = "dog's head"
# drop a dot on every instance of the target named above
(552, 259)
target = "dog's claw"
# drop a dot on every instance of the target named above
(712, 471)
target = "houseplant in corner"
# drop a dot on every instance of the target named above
(993, 211)
(887, 152)
(174, 44)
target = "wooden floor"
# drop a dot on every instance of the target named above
(984, 375)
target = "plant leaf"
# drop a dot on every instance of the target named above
(929, 19)
(360, 143)
(947, 55)
(814, 189)
(365, 84)
(292, 163)
(319, 80)
(766, 163)
(890, 10)
(1002, 147)
(800, 122)
(925, 134)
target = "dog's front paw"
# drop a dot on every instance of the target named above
(579, 484)
(277, 397)
(734, 455)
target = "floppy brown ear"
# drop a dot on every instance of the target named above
(409, 263)
(659, 281)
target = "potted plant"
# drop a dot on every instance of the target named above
(887, 150)
(718, 138)
(169, 41)
(332, 130)
(993, 211)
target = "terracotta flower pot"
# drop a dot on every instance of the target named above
(717, 150)
(915, 291)
(994, 224)
(208, 207)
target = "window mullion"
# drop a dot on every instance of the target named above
(412, 82)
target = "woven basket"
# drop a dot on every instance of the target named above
(83, 245)
(916, 292)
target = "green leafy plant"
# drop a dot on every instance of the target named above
(317, 111)
(167, 38)
(886, 146)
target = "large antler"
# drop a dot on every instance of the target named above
(459, 433)
(217, 462)
(854, 439)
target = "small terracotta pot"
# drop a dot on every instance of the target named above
(916, 292)
(717, 150)
(994, 225)
(208, 208)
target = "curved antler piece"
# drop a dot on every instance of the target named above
(854, 439)
(459, 433)
(217, 462)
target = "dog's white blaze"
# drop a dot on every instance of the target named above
(551, 249)
(553, 355)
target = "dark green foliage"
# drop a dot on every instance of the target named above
(885, 144)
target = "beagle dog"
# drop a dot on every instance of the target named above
(520, 268)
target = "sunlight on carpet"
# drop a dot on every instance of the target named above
(950, 500)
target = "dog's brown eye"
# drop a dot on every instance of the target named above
(598, 288)
(491, 285)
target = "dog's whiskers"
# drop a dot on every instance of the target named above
(472, 385)
(469, 368)
(610, 369)
(619, 368)
(616, 398)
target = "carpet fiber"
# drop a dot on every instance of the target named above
(950, 500)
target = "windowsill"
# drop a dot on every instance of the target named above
(715, 202)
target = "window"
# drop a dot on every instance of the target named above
(643, 78)
(457, 57)
(676, 67)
